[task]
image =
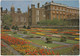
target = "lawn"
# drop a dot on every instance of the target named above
(56, 39)
(12, 34)
(40, 42)
(72, 41)
(66, 51)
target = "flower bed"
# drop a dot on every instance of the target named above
(24, 47)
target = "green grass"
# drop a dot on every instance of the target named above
(15, 35)
(72, 41)
(40, 42)
(66, 51)
(56, 39)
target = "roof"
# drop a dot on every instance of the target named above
(59, 4)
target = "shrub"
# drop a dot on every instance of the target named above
(49, 40)
(31, 36)
(24, 26)
(63, 39)
(28, 27)
(15, 27)
(6, 27)
(54, 22)
(25, 32)
(14, 32)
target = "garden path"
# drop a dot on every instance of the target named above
(61, 43)
(34, 44)
(23, 35)
(10, 48)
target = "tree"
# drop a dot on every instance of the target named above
(7, 20)
(55, 22)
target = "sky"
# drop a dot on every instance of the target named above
(23, 4)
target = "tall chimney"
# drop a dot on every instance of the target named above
(18, 10)
(32, 6)
(1, 9)
(38, 5)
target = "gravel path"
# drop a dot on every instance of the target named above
(61, 43)
(52, 41)
(34, 44)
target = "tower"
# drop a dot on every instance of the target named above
(12, 9)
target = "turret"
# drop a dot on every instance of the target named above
(12, 9)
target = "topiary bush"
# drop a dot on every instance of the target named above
(15, 27)
(6, 27)
(49, 40)
(28, 27)
(25, 32)
(24, 26)
(14, 32)
(63, 39)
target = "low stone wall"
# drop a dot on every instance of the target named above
(57, 27)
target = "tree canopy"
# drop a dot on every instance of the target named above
(55, 22)
(7, 20)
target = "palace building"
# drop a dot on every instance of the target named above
(59, 11)
(19, 18)
(36, 14)
(49, 10)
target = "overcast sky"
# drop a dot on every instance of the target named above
(24, 3)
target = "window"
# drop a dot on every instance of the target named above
(22, 20)
(43, 15)
(60, 8)
(53, 8)
(37, 12)
(57, 16)
(37, 19)
(17, 19)
(63, 8)
(57, 8)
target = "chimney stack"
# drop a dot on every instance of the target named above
(32, 6)
(38, 5)
(18, 10)
(1, 9)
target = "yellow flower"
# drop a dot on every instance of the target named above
(21, 38)
(77, 38)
